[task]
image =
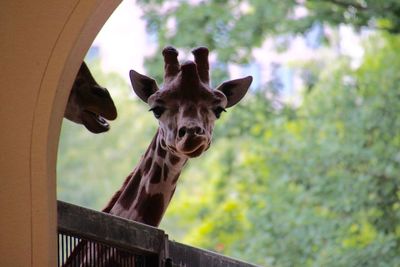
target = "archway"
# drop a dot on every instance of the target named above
(45, 44)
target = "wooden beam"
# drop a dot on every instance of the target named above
(136, 237)
(112, 230)
(184, 255)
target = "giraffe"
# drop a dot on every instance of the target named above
(186, 108)
(89, 103)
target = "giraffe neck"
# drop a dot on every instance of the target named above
(147, 191)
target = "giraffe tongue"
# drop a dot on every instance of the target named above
(101, 120)
(94, 122)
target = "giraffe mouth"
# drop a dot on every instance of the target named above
(94, 122)
(192, 147)
(196, 152)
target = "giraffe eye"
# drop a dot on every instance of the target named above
(218, 110)
(157, 111)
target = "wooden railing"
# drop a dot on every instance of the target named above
(125, 243)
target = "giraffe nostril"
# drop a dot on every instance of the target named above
(182, 132)
(190, 131)
(198, 130)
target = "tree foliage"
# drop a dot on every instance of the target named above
(247, 23)
(313, 185)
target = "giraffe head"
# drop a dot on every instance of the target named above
(186, 106)
(89, 103)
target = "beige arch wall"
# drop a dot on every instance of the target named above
(41, 47)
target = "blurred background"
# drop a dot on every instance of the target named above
(305, 171)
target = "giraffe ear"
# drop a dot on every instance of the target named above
(234, 90)
(142, 85)
(85, 73)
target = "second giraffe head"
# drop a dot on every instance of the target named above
(186, 106)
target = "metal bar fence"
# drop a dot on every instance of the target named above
(75, 252)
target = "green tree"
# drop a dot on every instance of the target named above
(315, 185)
(312, 186)
(232, 28)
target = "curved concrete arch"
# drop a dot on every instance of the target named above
(43, 44)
